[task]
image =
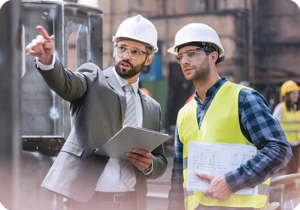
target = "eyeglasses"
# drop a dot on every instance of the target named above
(133, 52)
(191, 54)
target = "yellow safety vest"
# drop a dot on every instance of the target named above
(290, 123)
(221, 125)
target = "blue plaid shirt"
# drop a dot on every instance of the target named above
(260, 128)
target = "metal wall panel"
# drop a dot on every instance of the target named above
(45, 113)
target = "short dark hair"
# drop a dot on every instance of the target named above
(149, 48)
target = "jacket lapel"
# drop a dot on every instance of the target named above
(146, 110)
(114, 84)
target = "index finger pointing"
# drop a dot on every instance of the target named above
(208, 177)
(43, 32)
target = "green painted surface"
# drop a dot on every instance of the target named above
(159, 90)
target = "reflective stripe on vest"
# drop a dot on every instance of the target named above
(290, 131)
(221, 125)
(290, 123)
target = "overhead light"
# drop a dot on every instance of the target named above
(297, 2)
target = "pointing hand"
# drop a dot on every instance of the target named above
(42, 46)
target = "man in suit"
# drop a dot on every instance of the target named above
(101, 103)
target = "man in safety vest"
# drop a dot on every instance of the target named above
(222, 112)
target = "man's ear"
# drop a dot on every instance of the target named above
(214, 57)
(149, 59)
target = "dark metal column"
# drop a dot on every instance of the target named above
(96, 37)
(10, 71)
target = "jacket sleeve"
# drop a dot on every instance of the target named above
(70, 85)
(159, 160)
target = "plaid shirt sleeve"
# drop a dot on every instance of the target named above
(176, 194)
(264, 131)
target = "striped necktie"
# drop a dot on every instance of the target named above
(127, 168)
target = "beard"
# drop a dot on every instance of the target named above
(130, 73)
(201, 73)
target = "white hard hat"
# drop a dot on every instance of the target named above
(197, 32)
(140, 29)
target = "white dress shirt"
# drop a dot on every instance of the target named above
(110, 179)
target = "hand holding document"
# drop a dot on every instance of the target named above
(218, 187)
(130, 138)
(140, 158)
(216, 159)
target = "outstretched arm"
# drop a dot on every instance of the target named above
(70, 85)
(67, 84)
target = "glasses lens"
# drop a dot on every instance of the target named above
(135, 54)
(121, 50)
(192, 54)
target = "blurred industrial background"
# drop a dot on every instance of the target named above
(261, 39)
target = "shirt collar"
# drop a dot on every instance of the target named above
(123, 82)
(212, 90)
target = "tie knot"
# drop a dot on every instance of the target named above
(127, 88)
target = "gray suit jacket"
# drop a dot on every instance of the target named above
(97, 105)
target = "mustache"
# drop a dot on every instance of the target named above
(124, 61)
(185, 66)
